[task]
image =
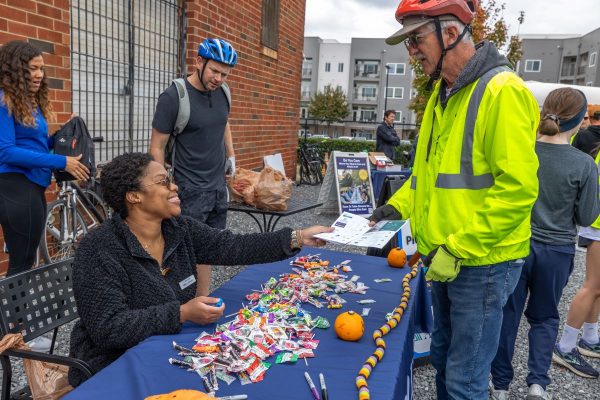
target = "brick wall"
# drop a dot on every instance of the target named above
(46, 25)
(265, 88)
(265, 91)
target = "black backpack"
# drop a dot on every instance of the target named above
(72, 140)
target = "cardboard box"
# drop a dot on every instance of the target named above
(374, 156)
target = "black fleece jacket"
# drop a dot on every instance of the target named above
(587, 139)
(121, 296)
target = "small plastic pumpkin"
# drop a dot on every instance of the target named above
(396, 257)
(182, 394)
(349, 326)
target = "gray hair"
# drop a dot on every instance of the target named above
(468, 38)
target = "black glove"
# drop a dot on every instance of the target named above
(427, 260)
(385, 212)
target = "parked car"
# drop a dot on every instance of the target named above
(320, 137)
(345, 138)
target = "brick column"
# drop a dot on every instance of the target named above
(45, 24)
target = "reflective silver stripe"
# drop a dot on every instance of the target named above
(466, 179)
(413, 182)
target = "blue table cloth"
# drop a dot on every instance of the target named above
(377, 178)
(144, 369)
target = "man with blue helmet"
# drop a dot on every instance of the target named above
(204, 145)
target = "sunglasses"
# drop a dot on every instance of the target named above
(412, 41)
(166, 182)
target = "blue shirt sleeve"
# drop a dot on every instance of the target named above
(12, 154)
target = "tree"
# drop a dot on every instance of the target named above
(489, 25)
(330, 105)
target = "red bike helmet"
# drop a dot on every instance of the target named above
(413, 14)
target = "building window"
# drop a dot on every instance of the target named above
(396, 68)
(307, 65)
(394, 93)
(303, 112)
(327, 67)
(398, 116)
(369, 91)
(340, 67)
(270, 24)
(533, 65)
(593, 57)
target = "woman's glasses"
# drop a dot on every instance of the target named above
(166, 182)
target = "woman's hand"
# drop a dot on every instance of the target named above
(200, 310)
(307, 235)
(77, 169)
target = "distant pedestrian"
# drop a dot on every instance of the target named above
(387, 138)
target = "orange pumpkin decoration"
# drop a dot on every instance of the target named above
(182, 394)
(396, 258)
(349, 326)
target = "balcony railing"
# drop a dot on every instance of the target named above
(306, 72)
(305, 95)
(366, 74)
(358, 96)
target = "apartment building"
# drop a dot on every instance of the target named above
(373, 75)
(569, 59)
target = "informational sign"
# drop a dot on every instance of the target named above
(353, 181)
(406, 240)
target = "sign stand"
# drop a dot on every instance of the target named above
(353, 190)
(328, 193)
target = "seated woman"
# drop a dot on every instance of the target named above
(134, 276)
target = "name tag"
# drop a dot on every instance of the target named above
(187, 282)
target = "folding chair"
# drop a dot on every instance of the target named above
(32, 303)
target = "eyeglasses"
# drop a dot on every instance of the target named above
(166, 182)
(415, 39)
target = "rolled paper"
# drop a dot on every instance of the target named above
(377, 334)
(392, 323)
(385, 329)
(379, 342)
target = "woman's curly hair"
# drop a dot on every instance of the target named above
(14, 81)
(123, 174)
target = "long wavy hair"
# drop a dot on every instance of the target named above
(14, 81)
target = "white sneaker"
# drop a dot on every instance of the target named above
(40, 343)
(497, 394)
(536, 392)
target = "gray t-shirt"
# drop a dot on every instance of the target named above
(568, 193)
(200, 153)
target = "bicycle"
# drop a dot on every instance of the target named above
(312, 165)
(75, 211)
(69, 218)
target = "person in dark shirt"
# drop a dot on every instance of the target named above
(568, 197)
(387, 138)
(134, 276)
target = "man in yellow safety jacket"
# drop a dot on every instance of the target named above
(473, 186)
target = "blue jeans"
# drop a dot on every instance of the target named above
(467, 316)
(545, 274)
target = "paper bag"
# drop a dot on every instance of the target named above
(47, 381)
(272, 191)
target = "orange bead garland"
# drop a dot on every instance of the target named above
(365, 371)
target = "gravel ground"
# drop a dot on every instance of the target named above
(565, 385)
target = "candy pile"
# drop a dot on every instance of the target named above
(272, 323)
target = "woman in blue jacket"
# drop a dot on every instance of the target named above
(25, 160)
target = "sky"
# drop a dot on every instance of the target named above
(345, 19)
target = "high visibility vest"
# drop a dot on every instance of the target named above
(474, 181)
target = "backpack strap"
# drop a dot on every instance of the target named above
(183, 114)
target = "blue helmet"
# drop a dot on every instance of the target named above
(218, 50)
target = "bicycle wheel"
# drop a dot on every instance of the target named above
(90, 219)
(61, 233)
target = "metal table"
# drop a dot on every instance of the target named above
(271, 218)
